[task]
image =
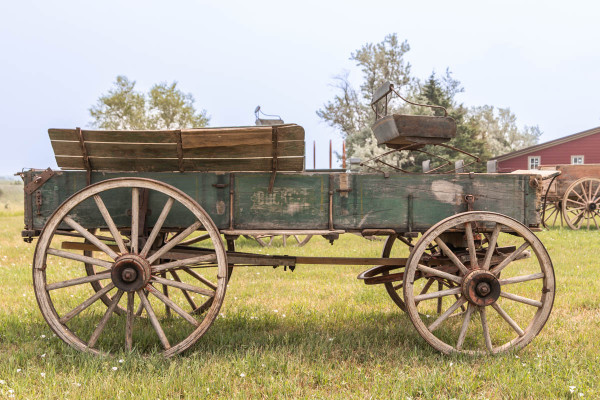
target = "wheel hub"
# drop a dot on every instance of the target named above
(481, 288)
(130, 272)
(592, 207)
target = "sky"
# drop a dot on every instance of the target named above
(541, 59)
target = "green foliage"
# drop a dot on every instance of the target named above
(483, 131)
(164, 107)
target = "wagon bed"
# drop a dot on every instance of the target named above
(150, 210)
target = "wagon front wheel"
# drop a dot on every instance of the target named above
(160, 286)
(501, 273)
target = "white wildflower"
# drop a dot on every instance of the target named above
(2, 382)
(451, 363)
(18, 369)
(242, 374)
(572, 389)
(114, 368)
(331, 339)
(275, 310)
(43, 355)
(283, 315)
(43, 336)
(580, 394)
(121, 361)
(43, 374)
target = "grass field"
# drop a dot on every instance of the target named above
(317, 332)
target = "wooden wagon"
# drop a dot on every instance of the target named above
(137, 234)
(572, 196)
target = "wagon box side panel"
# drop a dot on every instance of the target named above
(298, 201)
(416, 202)
(208, 189)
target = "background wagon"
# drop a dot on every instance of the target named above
(132, 236)
(573, 196)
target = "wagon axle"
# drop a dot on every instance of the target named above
(130, 272)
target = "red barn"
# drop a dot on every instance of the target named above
(579, 148)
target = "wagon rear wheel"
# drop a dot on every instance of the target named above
(502, 313)
(135, 274)
(581, 204)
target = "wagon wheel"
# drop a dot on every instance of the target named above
(395, 290)
(301, 241)
(512, 309)
(581, 204)
(133, 274)
(552, 213)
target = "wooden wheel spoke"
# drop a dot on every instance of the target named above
(110, 223)
(105, 318)
(78, 281)
(157, 226)
(440, 293)
(173, 306)
(399, 286)
(173, 242)
(491, 247)
(79, 257)
(486, 330)
(465, 325)
(184, 263)
(183, 286)
(508, 319)
(447, 313)
(451, 255)
(521, 299)
(439, 274)
(524, 278)
(88, 302)
(135, 219)
(200, 278)
(187, 296)
(154, 320)
(426, 288)
(496, 270)
(471, 245)
(90, 237)
(129, 321)
(576, 202)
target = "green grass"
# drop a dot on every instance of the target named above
(331, 336)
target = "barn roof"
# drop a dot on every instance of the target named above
(551, 143)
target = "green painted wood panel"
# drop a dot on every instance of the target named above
(301, 200)
(298, 201)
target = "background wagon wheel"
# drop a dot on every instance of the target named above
(90, 270)
(581, 204)
(512, 309)
(552, 213)
(131, 273)
(395, 289)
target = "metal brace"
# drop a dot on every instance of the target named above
(275, 154)
(38, 181)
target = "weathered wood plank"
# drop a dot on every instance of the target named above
(169, 150)
(189, 164)
(286, 132)
(255, 135)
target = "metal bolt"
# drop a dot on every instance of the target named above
(129, 274)
(483, 289)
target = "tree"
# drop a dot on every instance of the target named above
(349, 111)
(498, 128)
(164, 107)
(121, 108)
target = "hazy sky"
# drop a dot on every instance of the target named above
(541, 59)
